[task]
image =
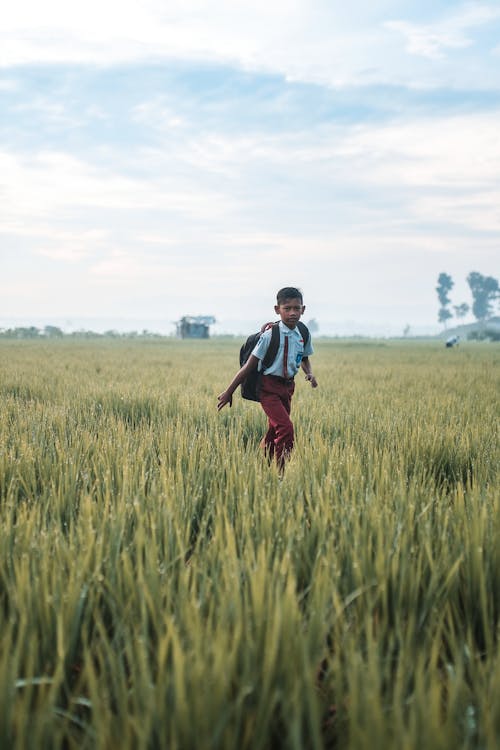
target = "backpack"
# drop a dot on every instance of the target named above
(250, 387)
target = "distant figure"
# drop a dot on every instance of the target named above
(452, 341)
(277, 384)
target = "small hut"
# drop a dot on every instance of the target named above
(194, 326)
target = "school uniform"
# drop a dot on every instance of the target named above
(277, 388)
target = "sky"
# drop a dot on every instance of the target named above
(160, 159)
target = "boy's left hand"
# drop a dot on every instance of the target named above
(312, 380)
(223, 399)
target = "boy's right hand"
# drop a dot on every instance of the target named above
(223, 399)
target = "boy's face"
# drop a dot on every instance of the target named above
(290, 311)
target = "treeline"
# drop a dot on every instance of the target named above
(53, 332)
(485, 292)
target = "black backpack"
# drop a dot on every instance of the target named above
(250, 387)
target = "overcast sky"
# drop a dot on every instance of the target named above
(188, 157)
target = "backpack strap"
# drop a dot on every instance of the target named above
(274, 344)
(304, 331)
(273, 347)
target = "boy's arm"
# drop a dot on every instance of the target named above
(226, 397)
(306, 366)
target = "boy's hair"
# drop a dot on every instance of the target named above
(288, 292)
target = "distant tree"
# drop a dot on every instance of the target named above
(485, 291)
(406, 330)
(444, 315)
(27, 333)
(313, 325)
(53, 332)
(444, 286)
(461, 310)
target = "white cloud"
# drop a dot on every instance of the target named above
(424, 196)
(228, 183)
(9, 84)
(68, 246)
(453, 32)
(479, 212)
(429, 41)
(58, 185)
(461, 152)
(119, 266)
(306, 40)
(157, 114)
(115, 30)
(55, 112)
(189, 220)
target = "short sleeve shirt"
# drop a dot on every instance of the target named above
(297, 349)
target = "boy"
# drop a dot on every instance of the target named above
(277, 384)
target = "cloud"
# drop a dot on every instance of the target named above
(475, 213)
(157, 113)
(434, 40)
(207, 187)
(137, 185)
(118, 31)
(55, 184)
(461, 152)
(68, 246)
(9, 84)
(48, 110)
(119, 266)
(386, 164)
(428, 41)
(300, 40)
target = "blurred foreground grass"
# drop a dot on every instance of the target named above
(161, 588)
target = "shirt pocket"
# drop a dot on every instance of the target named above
(299, 353)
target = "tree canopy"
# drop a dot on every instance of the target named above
(444, 286)
(485, 291)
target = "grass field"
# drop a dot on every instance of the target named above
(160, 587)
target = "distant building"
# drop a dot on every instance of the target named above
(194, 326)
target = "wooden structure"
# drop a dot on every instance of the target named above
(194, 326)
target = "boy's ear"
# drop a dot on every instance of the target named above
(277, 309)
(303, 309)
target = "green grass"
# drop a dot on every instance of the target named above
(160, 587)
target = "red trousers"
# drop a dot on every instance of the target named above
(276, 400)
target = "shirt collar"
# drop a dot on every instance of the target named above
(285, 328)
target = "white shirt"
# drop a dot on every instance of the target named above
(297, 349)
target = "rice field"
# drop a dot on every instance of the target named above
(160, 587)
